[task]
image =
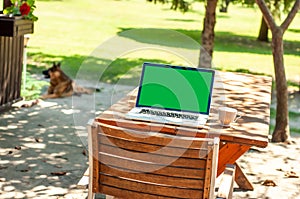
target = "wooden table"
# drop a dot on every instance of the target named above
(249, 94)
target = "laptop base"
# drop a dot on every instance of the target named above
(135, 114)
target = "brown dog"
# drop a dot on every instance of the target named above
(60, 84)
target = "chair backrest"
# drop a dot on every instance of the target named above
(134, 164)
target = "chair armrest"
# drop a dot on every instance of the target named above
(226, 184)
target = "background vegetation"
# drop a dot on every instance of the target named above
(69, 31)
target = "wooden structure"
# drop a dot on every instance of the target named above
(135, 164)
(11, 57)
(226, 184)
(249, 94)
(6, 3)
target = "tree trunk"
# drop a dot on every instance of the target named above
(263, 31)
(208, 34)
(224, 8)
(281, 132)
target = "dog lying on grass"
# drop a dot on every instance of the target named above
(61, 85)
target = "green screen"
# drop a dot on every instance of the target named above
(178, 88)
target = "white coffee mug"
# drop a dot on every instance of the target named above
(228, 115)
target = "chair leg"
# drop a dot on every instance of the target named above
(91, 195)
(226, 184)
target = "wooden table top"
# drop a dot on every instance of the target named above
(249, 94)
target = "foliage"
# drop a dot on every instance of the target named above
(33, 88)
(182, 5)
(276, 6)
(22, 8)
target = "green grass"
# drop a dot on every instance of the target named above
(69, 31)
(293, 116)
(33, 88)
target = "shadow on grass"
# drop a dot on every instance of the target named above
(224, 41)
(182, 20)
(161, 37)
(294, 30)
(127, 71)
(37, 62)
(123, 70)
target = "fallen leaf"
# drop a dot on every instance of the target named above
(27, 104)
(58, 173)
(269, 183)
(291, 174)
(24, 170)
(1, 167)
(84, 152)
(61, 157)
(18, 147)
(10, 152)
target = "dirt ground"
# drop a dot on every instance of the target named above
(43, 152)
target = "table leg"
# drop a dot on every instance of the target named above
(241, 179)
(229, 153)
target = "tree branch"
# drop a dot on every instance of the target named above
(267, 14)
(290, 16)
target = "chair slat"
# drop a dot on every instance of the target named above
(156, 157)
(149, 188)
(143, 166)
(122, 193)
(153, 177)
(151, 137)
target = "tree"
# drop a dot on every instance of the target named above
(224, 5)
(263, 31)
(277, 7)
(281, 132)
(208, 31)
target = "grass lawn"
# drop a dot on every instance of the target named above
(69, 31)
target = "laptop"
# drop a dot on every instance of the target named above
(173, 95)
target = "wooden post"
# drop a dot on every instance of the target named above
(11, 57)
(1, 6)
(6, 3)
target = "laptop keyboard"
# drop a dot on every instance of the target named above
(168, 114)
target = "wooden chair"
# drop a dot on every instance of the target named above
(132, 164)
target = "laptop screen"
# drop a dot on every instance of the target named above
(175, 88)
